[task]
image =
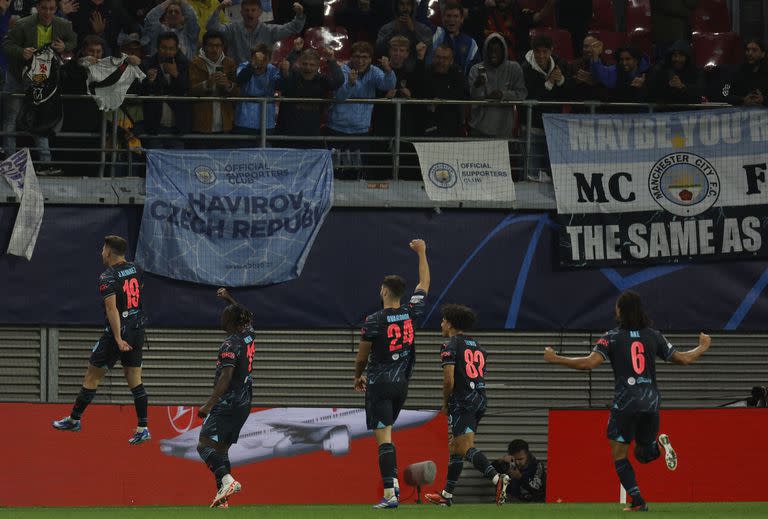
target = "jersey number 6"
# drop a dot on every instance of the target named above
(638, 357)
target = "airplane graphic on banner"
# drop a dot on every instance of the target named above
(283, 432)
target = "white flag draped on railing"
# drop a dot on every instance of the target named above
(466, 171)
(20, 174)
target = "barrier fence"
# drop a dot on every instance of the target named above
(391, 158)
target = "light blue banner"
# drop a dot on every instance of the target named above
(233, 217)
(623, 138)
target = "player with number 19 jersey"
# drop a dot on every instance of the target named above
(468, 402)
(124, 281)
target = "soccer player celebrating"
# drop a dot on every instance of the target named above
(388, 341)
(464, 401)
(632, 348)
(229, 406)
(120, 286)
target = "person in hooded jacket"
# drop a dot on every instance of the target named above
(545, 80)
(677, 79)
(495, 78)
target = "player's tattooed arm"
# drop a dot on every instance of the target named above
(224, 294)
(218, 390)
(585, 363)
(113, 316)
(448, 382)
(691, 356)
(361, 361)
(420, 248)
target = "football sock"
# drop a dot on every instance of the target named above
(214, 460)
(140, 401)
(481, 463)
(394, 455)
(225, 459)
(627, 477)
(387, 465)
(455, 464)
(84, 397)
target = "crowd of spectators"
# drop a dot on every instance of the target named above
(475, 49)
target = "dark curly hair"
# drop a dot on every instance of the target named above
(235, 317)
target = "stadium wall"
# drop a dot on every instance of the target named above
(501, 263)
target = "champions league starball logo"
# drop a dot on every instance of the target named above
(205, 174)
(443, 175)
(684, 184)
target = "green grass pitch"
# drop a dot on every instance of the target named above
(425, 511)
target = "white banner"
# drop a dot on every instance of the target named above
(681, 163)
(20, 174)
(466, 171)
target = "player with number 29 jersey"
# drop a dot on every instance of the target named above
(391, 333)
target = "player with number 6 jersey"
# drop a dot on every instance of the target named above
(121, 289)
(229, 406)
(387, 355)
(632, 349)
(464, 364)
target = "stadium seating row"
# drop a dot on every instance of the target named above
(709, 49)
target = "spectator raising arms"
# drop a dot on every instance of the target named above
(305, 80)
(104, 18)
(245, 35)
(404, 24)
(361, 81)
(257, 78)
(173, 16)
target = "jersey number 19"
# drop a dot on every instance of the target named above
(131, 290)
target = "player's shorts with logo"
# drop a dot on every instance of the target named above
(105, 353)
(464, 417)
(223, 423)
(633, 420)
(383, 402)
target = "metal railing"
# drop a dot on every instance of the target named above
(113, 161)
